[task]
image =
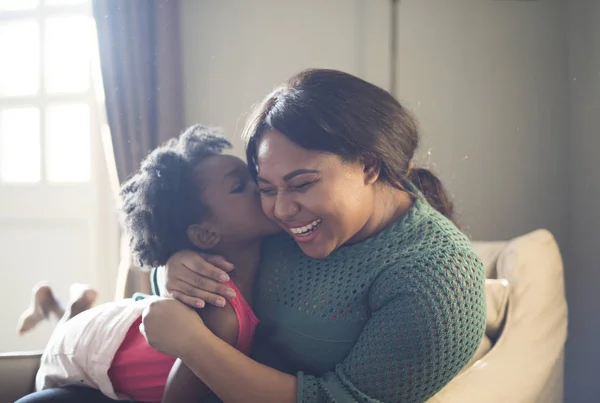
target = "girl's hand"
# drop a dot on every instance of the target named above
(170, 327)
(196, 278)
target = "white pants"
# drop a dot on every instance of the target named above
(81, 350)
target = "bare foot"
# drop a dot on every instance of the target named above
(82, 298)
(43, 304)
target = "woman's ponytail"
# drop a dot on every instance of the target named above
(433, 190)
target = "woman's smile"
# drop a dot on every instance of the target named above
(304, 233)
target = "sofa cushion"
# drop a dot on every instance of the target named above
(489, 253)
(484, 347)
(496, 292)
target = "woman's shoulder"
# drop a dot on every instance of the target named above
(428, 252)
(423, 231)
(436, 242)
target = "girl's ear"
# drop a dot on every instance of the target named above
(203, 237)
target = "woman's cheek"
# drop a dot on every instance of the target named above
(316, 200)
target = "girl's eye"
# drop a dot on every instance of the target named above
(239, 188)
(267, 191)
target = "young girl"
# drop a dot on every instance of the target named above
(185, 196)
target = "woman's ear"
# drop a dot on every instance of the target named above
(202, 237)
(371, 168)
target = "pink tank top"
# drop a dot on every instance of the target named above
(140, 372)
(247, 320)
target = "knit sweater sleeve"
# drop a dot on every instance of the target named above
(426, 324)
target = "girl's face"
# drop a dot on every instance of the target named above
(232, 199)
(320, 200)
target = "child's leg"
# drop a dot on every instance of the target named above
(81, 298)
(98, 332)
(44, 305)
(67, 394)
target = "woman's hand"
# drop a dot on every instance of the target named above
(170, 327)
(196, 278)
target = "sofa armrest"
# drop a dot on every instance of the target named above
(17, 374)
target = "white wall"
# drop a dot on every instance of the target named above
(487, 80)
(583, 278)
(235, 51)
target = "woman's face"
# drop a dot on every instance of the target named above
(320, 200)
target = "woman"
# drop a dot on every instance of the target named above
(371, 294)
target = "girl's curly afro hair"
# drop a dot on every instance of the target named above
(162, 199)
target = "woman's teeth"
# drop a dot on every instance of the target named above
(307, 229)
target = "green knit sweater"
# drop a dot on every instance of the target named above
(391, 319)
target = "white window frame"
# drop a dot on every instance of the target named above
(52, 199)
(42, 100)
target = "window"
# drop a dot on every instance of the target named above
(58, 221)
(48, 53)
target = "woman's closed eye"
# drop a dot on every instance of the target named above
(302, 186)
(267, 191)
(270, 191)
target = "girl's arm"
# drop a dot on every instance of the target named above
(183, 385)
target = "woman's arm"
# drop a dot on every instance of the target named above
(224, 325)
(183, 385)
(234, 377)
(174, 329)
(417, 339)
(194, 279)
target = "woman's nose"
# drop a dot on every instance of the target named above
(285, 207)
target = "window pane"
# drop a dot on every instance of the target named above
(19, 58)
(68, 143)
(67, 54)
(17, 5)
(64, 2)
(20, 145)
(96, 69)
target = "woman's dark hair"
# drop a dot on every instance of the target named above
(162, 199)
(335, 112)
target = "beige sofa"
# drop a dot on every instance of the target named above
(521, 357)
